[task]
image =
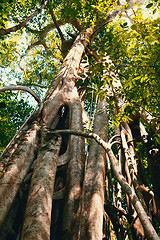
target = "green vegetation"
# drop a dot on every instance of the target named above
(12, 115)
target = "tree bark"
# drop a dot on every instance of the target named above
(39, 204)
(75, 170)
(62, 94)
(91, 221)
(15, 173)
(148, 228)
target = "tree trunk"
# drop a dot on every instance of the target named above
(92, 203)
(17, 168)
(39, 204)
(62, 95)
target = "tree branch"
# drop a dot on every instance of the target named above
(57, 26)
(38, 85)
(22, 24)
(38, 43)
(51, 26)
(24, 88)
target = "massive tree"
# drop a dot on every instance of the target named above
(85, 163)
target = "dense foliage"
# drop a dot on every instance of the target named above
(131, 40)
(12, 115)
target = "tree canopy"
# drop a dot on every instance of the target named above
(131, 40)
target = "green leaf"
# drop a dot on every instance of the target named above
(134, 27)
(149, 5)
(85, 83)
(154, 11)
(101, 97)
(79, 82)
(157, 139)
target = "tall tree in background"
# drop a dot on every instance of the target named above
(99, 61)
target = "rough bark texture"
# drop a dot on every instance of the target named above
(147, 225)
(39, 205)
(75, 171)
(153, 156)
(148, 228)
(91, 222)
(15, 173)
(62, 95)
